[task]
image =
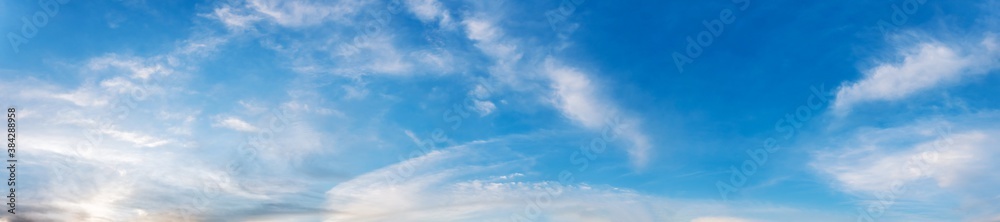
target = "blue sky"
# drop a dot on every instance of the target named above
(573, 110)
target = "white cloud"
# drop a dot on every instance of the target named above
(136, 138)
(112, 180)
(873, 167)
(490, 40)
(234, 123)
(928, 164)
(429, 11)
(306, 13)
(481, 30)
(87, 166)
(484, 107)
(578, 98)
(925, 66)
(84, 96)
(234, 18)
(354, 54)
(252, 107)
(243, 15)
(139, 68)
(573, 93)
(303, 107)
(442, 186)
(428, 189)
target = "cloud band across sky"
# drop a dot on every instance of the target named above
(433, 110)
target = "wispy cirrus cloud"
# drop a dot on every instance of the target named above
(929, 163)
(303, 13)
(464, 183)
(577, 96)
(299, 119)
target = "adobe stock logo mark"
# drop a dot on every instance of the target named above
(900, 15)
(561, 14)
(713, 29)
(758, 156)
(29, 27)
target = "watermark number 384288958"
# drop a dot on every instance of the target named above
(11, 161)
